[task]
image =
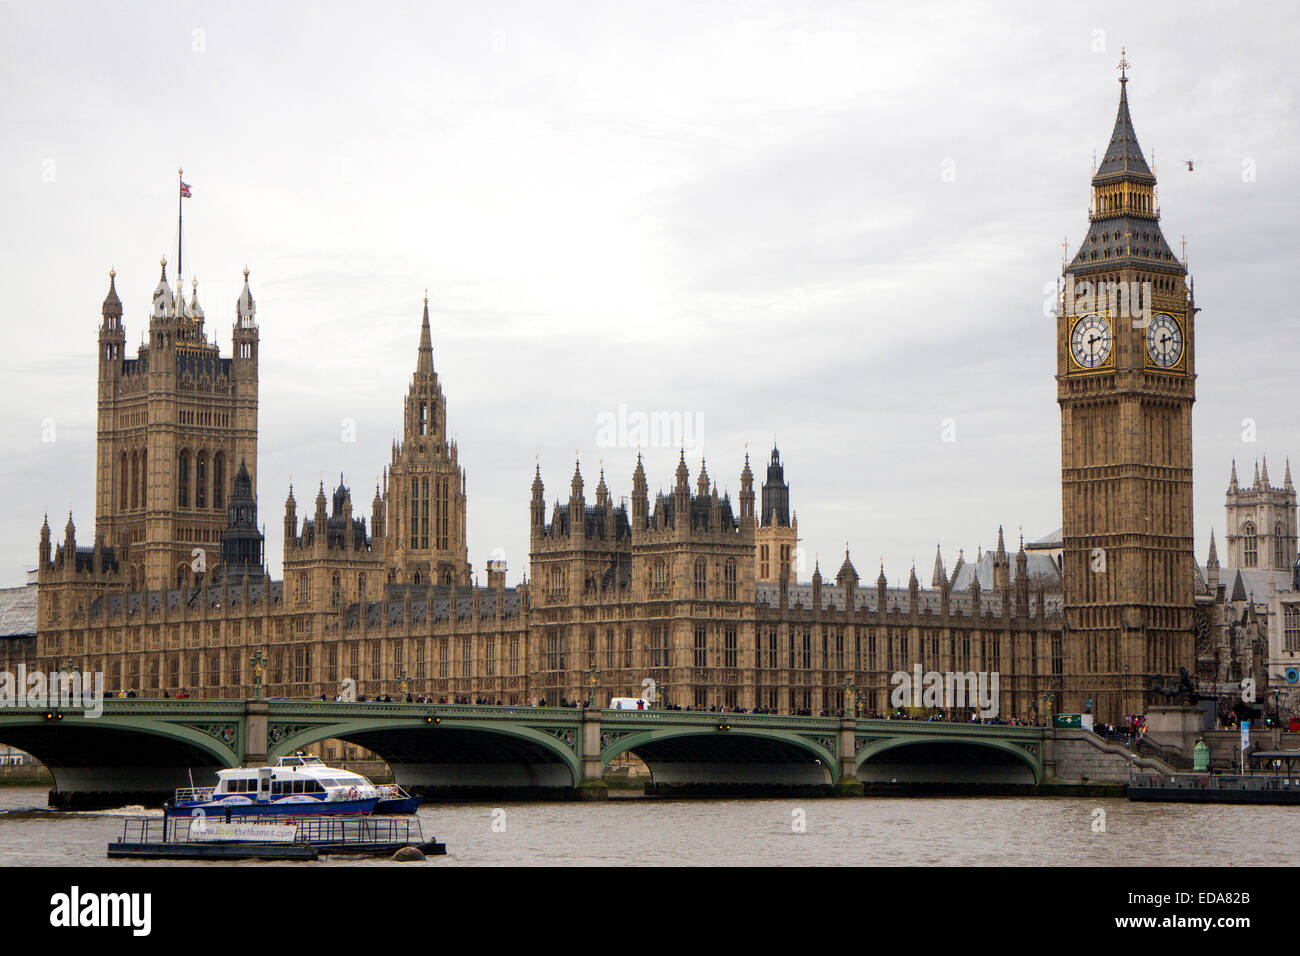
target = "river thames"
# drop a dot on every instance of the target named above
(947, 831)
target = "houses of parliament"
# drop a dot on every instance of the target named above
(689, 588)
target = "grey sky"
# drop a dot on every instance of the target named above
(730, 210)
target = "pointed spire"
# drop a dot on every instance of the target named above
(425, 364)
(576, 485)
(1263, 475)
(245, 307)
(1213, 560)
(912, 583)
(538, 488)
(1123, 156)
(112, 304)
(1232, 482)
(847, 571)
(683, 474)
(880, 581)
(1286, 482)
(196, 310)
(1002, 545)
(1256, 485)
(940, 577)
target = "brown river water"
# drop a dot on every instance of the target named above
(946, 831)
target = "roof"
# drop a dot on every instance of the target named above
(1124, 155)
(18, 611)
(1038, 566)
(1054, 540)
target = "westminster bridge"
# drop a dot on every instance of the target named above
(140, 750)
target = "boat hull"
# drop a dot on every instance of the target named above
(300, 809)
(399, 805)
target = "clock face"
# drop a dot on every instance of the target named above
(1164, 340)
(1090, 341)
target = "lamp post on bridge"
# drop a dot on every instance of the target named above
(402, 683)
(849, 697)
(593, 675)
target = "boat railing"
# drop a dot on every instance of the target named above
(194, 794)
(1215, 781)
(342, 831)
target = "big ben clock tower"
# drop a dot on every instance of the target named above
(1126, 383)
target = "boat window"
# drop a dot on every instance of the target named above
(297, 786)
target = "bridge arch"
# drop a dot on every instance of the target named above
(450, 752)
(948, 759)
(114, 760)
(705, 755)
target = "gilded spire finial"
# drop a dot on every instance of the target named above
(1123, 65)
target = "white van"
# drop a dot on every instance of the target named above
(629, 703)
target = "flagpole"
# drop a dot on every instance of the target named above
(179, 206)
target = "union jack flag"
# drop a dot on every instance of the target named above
(185, 191)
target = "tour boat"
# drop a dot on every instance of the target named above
(294, 786)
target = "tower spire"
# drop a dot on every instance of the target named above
(425, 364)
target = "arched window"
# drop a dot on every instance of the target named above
(201, 480)
(729, 580)
(336, 590)
(124, 478)
(183, 480)
(219, 480)
(701, 578)
(659, 576)
(1279, 548)
(1250, 545)
(135, 479)
(144, 478)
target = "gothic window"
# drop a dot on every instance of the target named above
(413, 513)
(443, 518)
(219, 481)
(124, 478)
(763, 562)
(424, 513)
(701, 648)
(729, 580)
(336, 590)
(1291, 627)
(182, 480)
(1250, 545)
(135, 480)
(658, 577)
(1279, 547)
(729, 648)
(424, 418)
(361, 588)
(701, 578)
(201, 480)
